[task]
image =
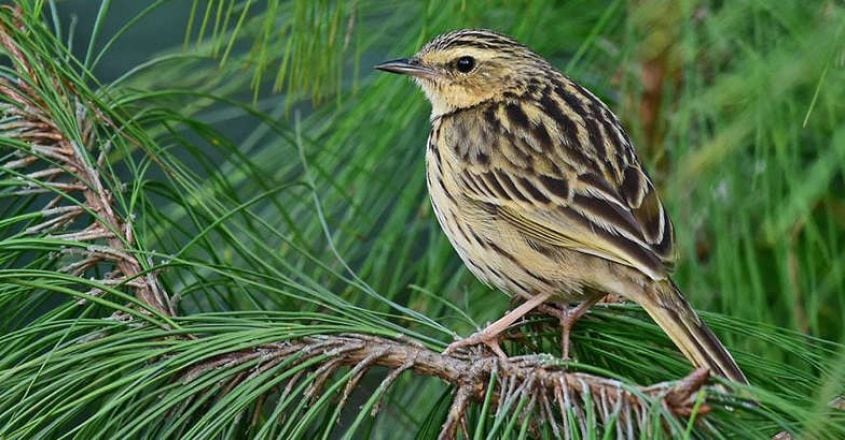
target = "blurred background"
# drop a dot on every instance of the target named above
(279, 173)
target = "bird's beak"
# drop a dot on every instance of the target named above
(406, 66)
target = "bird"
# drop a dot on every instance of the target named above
(539, 189)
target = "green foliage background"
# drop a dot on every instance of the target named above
(277, 186)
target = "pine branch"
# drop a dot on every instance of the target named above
(82, 207)
(530, 377)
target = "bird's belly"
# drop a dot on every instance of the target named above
(483, 265)
(494, 252)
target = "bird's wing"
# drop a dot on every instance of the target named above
(559, 195)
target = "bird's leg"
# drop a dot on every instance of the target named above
(490, 335)
(568, 316)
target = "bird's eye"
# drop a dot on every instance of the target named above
(465, 64)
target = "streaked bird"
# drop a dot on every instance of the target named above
(541, 193)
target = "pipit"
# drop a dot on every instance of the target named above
(541, 193)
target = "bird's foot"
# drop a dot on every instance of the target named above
(568, 316)
(490, 335)
(490, 339)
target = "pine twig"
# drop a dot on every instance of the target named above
(54, 161)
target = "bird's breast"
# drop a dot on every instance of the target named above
(463, 229)
(493, 250)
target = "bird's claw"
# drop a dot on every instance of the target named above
(491, 342)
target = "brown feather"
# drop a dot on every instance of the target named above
(540, 191)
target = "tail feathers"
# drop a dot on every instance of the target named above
(667, 306)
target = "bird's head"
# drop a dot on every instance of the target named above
(464, 68)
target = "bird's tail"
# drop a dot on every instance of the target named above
(668, 308)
